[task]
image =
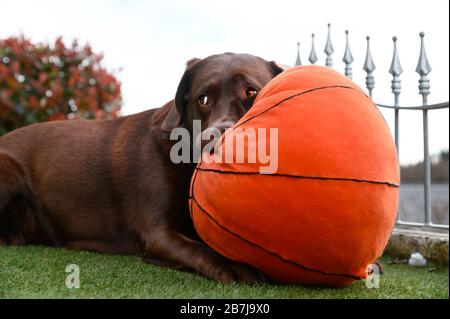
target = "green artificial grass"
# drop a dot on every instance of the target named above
(40, 272)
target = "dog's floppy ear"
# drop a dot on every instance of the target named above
(274, 68)
(172, 120)
(175, 116)
(192, 62)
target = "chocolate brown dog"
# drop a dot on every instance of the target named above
(111, 187)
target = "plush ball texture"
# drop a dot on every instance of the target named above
(327, 212)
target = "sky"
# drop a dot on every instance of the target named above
(152, 40)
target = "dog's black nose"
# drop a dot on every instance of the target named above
(213, 132)
(223, 126)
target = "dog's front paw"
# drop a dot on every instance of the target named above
(215, 266)
(237, 272)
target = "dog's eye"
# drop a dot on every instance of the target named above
(203, 100)
(251, 92)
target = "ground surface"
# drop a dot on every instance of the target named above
(39, 272)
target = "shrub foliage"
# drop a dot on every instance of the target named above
(43, 82)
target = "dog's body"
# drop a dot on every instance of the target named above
(110, 186)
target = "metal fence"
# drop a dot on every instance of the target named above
(423, 69)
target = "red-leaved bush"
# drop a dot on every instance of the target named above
(42, 82)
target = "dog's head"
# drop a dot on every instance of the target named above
(219, 90)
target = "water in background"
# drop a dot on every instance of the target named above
(411, 205)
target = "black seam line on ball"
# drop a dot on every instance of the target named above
(299, 94)
(191, 192)
(300, 176)
(270, 252)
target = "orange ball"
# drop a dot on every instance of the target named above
(328, 210)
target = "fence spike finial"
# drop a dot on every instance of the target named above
(369, 67)
(329, 49)
(312, 55)
(298, 61)
(396, 70)
(348, 57)
(423, 68)
(396, 86)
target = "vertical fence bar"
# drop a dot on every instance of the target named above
(396, 69)
(312, 55)
(348, 58)
(298, 61)
(369, 67)
(424, 68)
(329, 49)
